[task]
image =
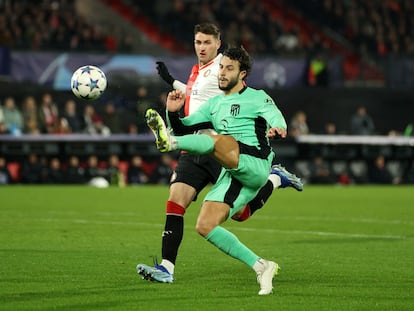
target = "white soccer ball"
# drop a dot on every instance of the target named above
(99, 182)
(88, 82)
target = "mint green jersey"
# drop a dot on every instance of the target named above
(247, 116)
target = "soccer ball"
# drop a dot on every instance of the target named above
(88, 82)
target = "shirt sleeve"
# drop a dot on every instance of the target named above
(201, 116)
(178, 85)
(272, 114)
(196, 121)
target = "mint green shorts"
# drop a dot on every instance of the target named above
(237, 187)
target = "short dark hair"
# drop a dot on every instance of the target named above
(208, 29)
(241, 55)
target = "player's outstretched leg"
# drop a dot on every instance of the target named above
(165, 141)
(287, 179)
(223, 148)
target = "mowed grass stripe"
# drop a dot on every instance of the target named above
(262, 230)
(258, 216)
(76, 248)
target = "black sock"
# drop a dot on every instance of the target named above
(261, 197)
(172, 236)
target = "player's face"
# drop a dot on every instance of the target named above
(206, 47)
(230, 77)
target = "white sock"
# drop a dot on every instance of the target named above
(275, 179)
(258, 265)
(168, 265)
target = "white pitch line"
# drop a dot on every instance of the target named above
(327, 233)
(100, 213)
(296, 218)
(340, 219)
(102, 222)
(294, 232)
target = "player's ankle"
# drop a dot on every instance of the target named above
(168, 265)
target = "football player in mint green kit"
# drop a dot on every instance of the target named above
(244, 119)
(244, 115)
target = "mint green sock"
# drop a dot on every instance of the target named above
(230, 244)
(196, 144)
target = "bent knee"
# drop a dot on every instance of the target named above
(204, 227)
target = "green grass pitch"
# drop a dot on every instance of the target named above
(76, 248)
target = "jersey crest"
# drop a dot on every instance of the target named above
(235, 109)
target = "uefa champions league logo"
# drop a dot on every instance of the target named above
(274, 75)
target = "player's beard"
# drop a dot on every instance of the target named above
(230, 84)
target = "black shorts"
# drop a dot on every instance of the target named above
(196, 171)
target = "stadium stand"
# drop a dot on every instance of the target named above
(263, 24)
(361, 32)
(352, 29)
(44, 25)
(377, 28)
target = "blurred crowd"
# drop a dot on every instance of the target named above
(371, 27)
(66, 115)
(47, 117)
(135, 170)
(53, 25)
(374, 28)
(338, 164)
(243, 22)
(39, 169)
(43, 115)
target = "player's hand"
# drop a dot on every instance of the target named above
(164, 73)
(175, 100)
(276, 132)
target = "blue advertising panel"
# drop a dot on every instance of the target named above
(55, 70)
(4, 61)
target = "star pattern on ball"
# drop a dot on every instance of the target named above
(86, 69)
(75, 84)
(88, 82)
(93, 84)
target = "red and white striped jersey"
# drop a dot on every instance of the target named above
(202, 85)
